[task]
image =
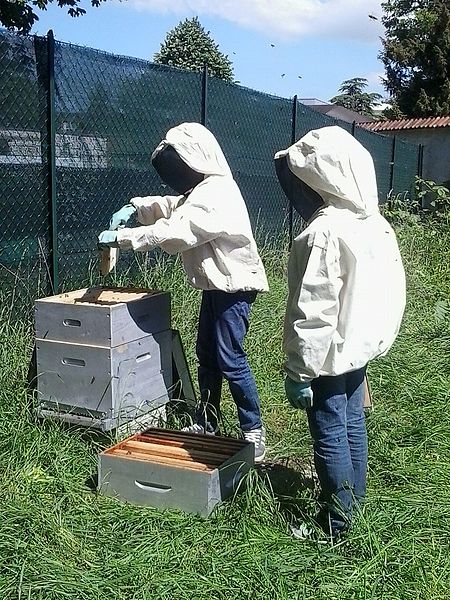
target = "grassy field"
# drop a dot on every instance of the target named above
(59, 540)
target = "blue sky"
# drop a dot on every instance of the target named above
(270, 42)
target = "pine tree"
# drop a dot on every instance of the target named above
(354, 97)
(416, 55)
(190, 47)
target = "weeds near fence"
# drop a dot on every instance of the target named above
(431, 202)
(59, 540)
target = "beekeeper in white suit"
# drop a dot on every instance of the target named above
(209, 225)
(346, 301)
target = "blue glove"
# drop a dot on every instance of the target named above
(300, 395)
(107, 239)
(122, 217)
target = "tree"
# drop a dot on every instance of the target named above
(392, 112)
(190, 47)
(354, 97)
(18, 15)
(416, 55)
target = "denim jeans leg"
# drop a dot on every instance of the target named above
(328, 425)
(209, 374)
(356, 430)
(232, 313)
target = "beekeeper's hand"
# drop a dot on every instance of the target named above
(300, 395)
(107, 239)
(122, 217)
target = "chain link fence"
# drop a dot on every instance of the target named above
(78, 126)
(251, 127)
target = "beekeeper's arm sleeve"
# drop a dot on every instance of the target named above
(313, 305)
(151, 208)
(192, 224)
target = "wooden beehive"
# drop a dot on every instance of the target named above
(103, 355)
(173, 469)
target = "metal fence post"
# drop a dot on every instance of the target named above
(51, 162)
(420, 172)
(204, 114)
(293, 140)
(420, 163)
(392, 164)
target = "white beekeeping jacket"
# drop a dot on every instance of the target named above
(209, 226)
(345, 274)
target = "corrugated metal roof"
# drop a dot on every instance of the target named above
(427, 123)
(344, 114)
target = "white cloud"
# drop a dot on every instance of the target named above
(374, 78)
(347, 19)
(374, 82)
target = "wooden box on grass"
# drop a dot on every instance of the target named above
(172, 469)
(103, 355)
(102, 316)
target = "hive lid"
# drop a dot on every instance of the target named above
(102, 296)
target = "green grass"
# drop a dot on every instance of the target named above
(60, 540)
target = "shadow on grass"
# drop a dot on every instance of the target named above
(293, 484)
(92, 482)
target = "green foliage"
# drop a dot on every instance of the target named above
(190, 47)
(355, 98)
(18, 15)
(400, 209)
(393, 111)
(416, 55)
(435, 197)
(431, 202)
(442, 312)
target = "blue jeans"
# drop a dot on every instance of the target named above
(223, 324)
(337, 424)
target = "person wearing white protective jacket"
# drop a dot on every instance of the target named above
(208, 223)
(345, 305)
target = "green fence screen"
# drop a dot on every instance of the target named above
(77, 128)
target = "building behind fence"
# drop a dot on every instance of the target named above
(78, 126)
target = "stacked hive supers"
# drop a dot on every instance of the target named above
(103, 355)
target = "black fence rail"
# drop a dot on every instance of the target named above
(78, 126)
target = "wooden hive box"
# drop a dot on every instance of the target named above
(102, 316)
(103, 355)
(173, 469)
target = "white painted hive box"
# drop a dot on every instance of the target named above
(174, 469)
(104, 354)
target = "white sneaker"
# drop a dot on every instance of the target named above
(302, 532)
(258, 438)
(196, 428)
(306, 532)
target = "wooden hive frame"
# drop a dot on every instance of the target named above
(178, 449)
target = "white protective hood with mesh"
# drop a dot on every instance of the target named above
(197, 147)
(337, 167)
